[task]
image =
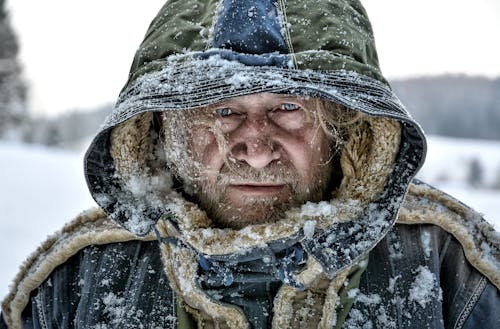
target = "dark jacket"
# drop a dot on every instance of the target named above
(122, 285)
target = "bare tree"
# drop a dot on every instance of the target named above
(12, 88)
(475, 175)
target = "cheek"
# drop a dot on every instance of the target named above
(205, 148)
(308, 151)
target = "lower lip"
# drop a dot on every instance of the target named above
(258, 189)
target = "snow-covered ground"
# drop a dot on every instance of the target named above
(449, 161)
(41, 189)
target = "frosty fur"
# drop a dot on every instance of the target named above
(423, 205)
(181, 269)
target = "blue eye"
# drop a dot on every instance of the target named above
(224, 112)
(289, 107)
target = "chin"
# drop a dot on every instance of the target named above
(238, 218)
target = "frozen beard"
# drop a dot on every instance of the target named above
(228, 208)
(214, 190)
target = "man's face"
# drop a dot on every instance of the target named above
(256, 156)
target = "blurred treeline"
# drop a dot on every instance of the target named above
(453, 105)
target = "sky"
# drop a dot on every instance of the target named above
(76, 53)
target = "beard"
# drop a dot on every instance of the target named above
(229, 209)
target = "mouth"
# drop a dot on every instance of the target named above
(258, 188)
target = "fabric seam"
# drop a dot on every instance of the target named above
(288, 38)
(443, 251)
(174, 307)
(210, 39)
(471, 303)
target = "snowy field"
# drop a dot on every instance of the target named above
(43, 188)
(448, 166)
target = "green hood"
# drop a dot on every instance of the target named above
(196, 53)
(319, 35)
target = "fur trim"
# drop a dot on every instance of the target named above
(329, 318)
(90, 227)
(480, 241)
(368, 158)
(289, 301)
(130, 145)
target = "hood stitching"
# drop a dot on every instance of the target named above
(285, 25)
(217, 12)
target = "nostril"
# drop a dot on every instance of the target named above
(239, 150)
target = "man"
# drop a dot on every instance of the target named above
(256, 172)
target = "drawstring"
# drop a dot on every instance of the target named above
(223, 274)
(165, 239)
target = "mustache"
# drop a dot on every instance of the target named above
(279, 171)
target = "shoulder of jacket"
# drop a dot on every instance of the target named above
(425, 204)
(91, 227)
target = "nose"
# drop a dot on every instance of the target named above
(254, 143)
